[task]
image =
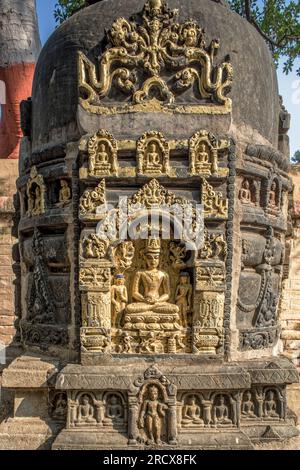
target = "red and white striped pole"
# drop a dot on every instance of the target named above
(19, 49)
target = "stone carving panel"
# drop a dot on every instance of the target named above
(93, 202)
(153, 155)
(155, 65)
(102, 154)
(152, 410)
(35, 194)
(215, 205)
(204, 150)
(259, 291)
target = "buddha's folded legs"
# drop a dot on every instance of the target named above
(162, 307)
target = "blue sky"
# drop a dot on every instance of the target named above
(289, 85)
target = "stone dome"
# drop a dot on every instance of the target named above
(55, 90)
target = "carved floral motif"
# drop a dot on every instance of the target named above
(140, 57)
(93, 200)
(215, 205)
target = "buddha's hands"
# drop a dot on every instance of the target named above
(151, 300)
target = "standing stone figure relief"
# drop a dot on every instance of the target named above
(85, 411)
(183, 297)
(119, 299)
(152, 416)
(273, 197)
(35, 193)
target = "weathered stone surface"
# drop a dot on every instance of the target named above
(142, 343)
(29, 372)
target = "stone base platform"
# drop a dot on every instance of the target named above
(204, 401)
(209, 440)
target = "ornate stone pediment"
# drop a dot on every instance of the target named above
(151, 62)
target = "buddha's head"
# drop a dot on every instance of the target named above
(192, 400)
(85, 400)
(152, 253)
(246, 184)
(102, 148)
(152, 147)
(113, 400)
(153, 393)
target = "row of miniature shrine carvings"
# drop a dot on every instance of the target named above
(193, 409)
(153, 154)
(268, 193)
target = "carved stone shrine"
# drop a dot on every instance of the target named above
(138, 331)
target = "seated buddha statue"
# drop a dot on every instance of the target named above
(153, 159)
(151, 309)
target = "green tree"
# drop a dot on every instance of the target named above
(278, 22)
(296, 157)
(66, 8)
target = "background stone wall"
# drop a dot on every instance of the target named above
(290, 306)
(8, 175)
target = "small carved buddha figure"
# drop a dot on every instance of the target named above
(153, 158)
(119, 299)
(245, 193)
(221, 412)
(191, 412)
(64, 192)
(37, 201)
(202, 155)
(248, 406)
(60, 408)
(272, 195)
(113, 411)
(183, 297)
(152, 414)
(270, 406)
(85, 411)
(151, 291)
(102, 155)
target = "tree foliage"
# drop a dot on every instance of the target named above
(278, 21)
(66, 8)
(296, 157)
